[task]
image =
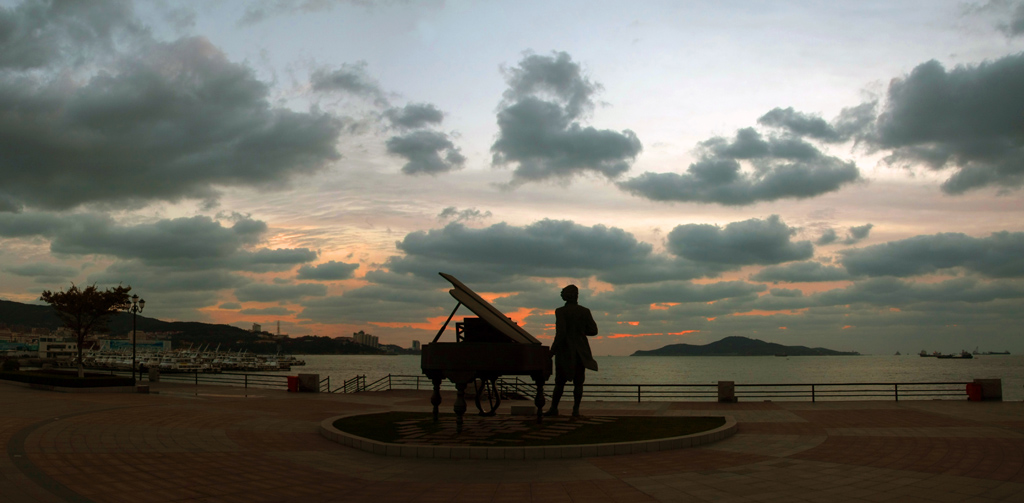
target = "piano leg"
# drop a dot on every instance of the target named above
(460, 404)
(539, 400)
(435, 399)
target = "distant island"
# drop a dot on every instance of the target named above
(741, 346)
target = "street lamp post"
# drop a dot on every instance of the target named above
(137, 305)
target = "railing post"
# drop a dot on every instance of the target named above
(197, 378)
(896, 391)
(812, 393)
(389, 382)
(637, 393)
(246, 381)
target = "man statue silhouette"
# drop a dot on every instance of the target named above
(573, 324)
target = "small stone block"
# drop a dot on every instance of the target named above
(424, 452)
(514, 453)
(588, 451)
(496, 453)
(409, 451)
(573, 451)
(533, 453)
(477, 453)
(623, 449)
(605, 450)
(442, 452)
(366, 445)
(638, 447)
(552, 453)
(392, 450)
(460, 452)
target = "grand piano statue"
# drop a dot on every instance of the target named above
(485, 348)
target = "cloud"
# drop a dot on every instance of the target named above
(801, 272)
(267, 311)
(414, 115)
(828, 237)
(858, 233)
(38, 34)
(43, 272)
(539, 129)
(783, 167)
(230, 305)
(454, 214)
(1001, 255)
(967, 119)
(328, 271)
(428, 152)
(164, 122)
(853, 235)
(257, 11)
(266, 292)
(753, 241)
(851, 121)
(350, 78)
(550, 248)
(678, 292)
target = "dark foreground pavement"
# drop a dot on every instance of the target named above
(207, 443)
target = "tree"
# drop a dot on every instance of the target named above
(87, 311)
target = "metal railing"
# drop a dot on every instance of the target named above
(518, 388)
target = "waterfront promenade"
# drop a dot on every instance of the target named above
(208, 443)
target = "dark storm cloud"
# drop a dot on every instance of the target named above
(39, 33)
(230, 305)
(892, 292)
(784, 167)
(556, 248)
(999, 255)
(165, 122)
(679, 292)
(539, 129)
(328, 271)
(753, 241)
(43, 272)
(853, 235)
(801, 272)
(1016, 25)
(968, 119)
(428, 152)
(148, 279)
(850, 122)
(414, 115)
(502, 253)
(350, 78)
(265, 292)
(828, 237)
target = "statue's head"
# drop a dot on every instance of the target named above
(570, 293)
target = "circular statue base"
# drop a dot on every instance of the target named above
(416, 435)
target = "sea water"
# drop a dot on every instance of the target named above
(740, 369)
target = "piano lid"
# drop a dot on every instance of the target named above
(487, 312)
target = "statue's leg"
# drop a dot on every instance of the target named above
(435, 399)
(539, 399)
(460, 405)
(577, 390)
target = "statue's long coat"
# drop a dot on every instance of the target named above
(573, 323)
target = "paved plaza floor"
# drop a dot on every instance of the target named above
(206, 443)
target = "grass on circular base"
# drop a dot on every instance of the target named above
(522, 431)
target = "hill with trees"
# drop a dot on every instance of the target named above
(740, 346)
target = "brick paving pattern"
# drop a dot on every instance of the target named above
(215, 444)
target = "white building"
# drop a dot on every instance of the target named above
(366, 339)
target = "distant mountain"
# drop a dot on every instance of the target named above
(740, 346)
(184, 333)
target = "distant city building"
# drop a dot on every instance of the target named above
(415, 345)
(52, 347)
(256, 328)
(366, 339)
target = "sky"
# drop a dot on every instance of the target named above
(839, 174)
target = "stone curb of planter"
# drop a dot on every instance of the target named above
(327, 430)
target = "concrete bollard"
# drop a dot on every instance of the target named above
(991, 389)
(309, 383)
(727, 391)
